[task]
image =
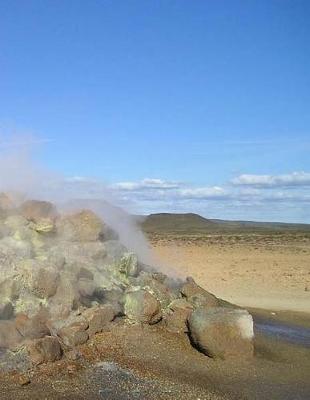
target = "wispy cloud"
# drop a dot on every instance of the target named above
(146, 184)
(271, 181)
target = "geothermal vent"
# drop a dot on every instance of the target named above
(65, 278)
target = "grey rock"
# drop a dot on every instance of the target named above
(45, 282)
(6, 310)
(9, 336)
(141, 306)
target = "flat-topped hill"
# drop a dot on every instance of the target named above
(196, 224)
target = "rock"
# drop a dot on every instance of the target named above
(109, 295)
(44, 350)
(141, 306)
(75, 333)
(23, 379)
(197, 295)
(180, 304)
(9, 336)
(45, 282)
(32, 328)
(34, 210)
(6, 310)
(66, 298)
(128, 264)
(176, 317)
(44, 225)
(85, 273)
(16, 249)
(222, 332)
(154, 284)
(99, 317)
(176, 321)
(86, 287)
(83, 226)
(15, 360)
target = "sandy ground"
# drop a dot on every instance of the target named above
(270, 272)
(133, 362)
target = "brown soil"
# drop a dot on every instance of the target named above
(154, 364)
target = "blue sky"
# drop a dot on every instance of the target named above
(170, 103)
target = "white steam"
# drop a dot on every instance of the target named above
(24, 178)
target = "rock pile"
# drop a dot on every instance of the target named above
(65, 278)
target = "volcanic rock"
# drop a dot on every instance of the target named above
(66, 298)
(142, 306)
(155, 284)
(43, 225)
(6, 310)
(34, 210)
(222, 332)
(32, 328)
(86, 287)
(75, 333)
(197, 295)
(176, 317)
(44, 282)
(129, 264)
(99, 317)
(44, 350)
(9, 336)
(83, 226)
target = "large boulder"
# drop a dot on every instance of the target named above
(222, 332)
(83, 226)
(142, 306)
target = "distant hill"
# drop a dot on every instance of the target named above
(196, 224)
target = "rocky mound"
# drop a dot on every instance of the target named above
(65, 278)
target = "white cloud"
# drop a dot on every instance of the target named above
(214, 192)
(146, 184)
(270, 181)
(259, 199)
